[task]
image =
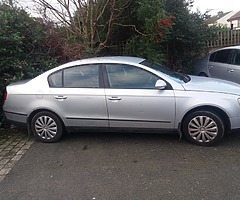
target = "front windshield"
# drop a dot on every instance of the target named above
(173, 75)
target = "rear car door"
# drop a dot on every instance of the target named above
(79, 95)
(134, 102)
(218, 63)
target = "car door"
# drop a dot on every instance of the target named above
(133, 101)
(234, 67)
(218, 63)
(79, 95)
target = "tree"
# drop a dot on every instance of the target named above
(173, 34)
(89, 23)
(155, 25)
(188, 36)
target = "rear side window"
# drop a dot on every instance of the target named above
(222, 56)
(55, 80)
(86, 76)
(81, 77)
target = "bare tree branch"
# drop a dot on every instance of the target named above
(85, 19)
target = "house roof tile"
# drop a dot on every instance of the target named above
(214, 18)
(234, 17)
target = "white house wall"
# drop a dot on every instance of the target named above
(223, 21)
(235, 24)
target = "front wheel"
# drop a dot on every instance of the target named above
(203, 128)
(203, 74)
(46, 127)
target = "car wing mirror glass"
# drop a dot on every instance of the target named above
(160, 85)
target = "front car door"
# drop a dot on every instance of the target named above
(234, 67)
(79, 95)
(133, 101)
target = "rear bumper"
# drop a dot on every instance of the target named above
(17, 119)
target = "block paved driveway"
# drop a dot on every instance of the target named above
(124, 166)
(13, 144)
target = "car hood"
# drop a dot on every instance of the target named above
(207, 84)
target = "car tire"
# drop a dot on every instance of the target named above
(2, 120)
(203, 128)
(46, 127)
(203, 74)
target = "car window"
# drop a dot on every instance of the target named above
(86, 76)
(55, 80)
(236, 57)
(221, 56)
(127, 76)
(179, 77)
(212, 56)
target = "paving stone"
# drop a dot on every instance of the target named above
(4, 161)
(16, 157)
(1, 178)
(3, 146)
(11, 163)
(4, 153)
(13, 144)
(21, 152)
(15, 149)
(8, 148)
(26, 147)
(4, 171)
(20, 145)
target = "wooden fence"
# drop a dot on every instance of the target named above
(225, 38)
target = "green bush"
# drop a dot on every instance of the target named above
(23, 51)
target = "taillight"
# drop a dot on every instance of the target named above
(5, 96)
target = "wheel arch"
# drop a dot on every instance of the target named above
(222, 114)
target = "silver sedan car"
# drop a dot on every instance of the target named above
(123, 93)
(222, 63)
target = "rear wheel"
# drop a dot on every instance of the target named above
(46, 127)
(2, 119)
(203, 128)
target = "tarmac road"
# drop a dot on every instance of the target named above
(106, 166)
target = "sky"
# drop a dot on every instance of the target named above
(216, 5)
(202, 5)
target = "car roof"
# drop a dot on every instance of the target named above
(231, 47)
(107, 59)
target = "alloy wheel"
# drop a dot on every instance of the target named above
(203, 129)
(46, 127)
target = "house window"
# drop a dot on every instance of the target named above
(238, 24)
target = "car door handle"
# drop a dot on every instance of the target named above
(210, 67)
(60, 97)
(230, 70)
(114, 98)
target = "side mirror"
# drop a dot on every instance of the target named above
(160, 85)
